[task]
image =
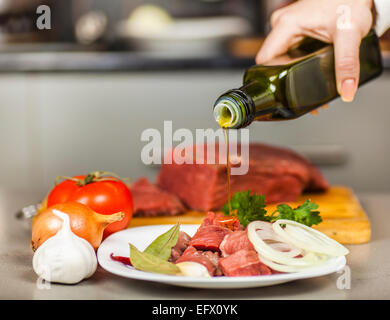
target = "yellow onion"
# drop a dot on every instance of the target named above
(84, 222)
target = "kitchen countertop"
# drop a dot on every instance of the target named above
(369, 264)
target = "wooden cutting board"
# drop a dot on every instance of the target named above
(343, 217)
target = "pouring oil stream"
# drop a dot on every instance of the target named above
(225, 118)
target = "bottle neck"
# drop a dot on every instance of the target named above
(237, 108)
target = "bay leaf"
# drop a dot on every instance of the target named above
(161, 247)
(147, 262)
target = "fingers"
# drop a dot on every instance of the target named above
(279, 40)
(275, 16)
(346, 48)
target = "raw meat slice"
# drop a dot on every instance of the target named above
(219, 219)
(150, 200)
(180, 247)
(278, 173)
(211, 218)
(209, 237)
(243, 263)
(207, 258)
(234, 242)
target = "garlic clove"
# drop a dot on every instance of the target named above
(192, 269)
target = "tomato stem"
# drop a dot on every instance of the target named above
(95, 176)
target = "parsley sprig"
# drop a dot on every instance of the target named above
(250, 207)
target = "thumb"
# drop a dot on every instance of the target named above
(346, 51)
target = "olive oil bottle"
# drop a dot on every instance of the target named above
(292, 85)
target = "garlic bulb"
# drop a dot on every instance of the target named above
(65, 257)
(192, 269)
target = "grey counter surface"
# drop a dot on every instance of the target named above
(369, 265)
(95, 61)
(114, 61)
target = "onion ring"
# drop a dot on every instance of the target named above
(266, 251)
(308, 239)
(289, 268)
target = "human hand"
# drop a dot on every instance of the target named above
(341, 22)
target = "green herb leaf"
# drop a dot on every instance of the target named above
(161, 247)
(305, 213)
(283, 211)
(250, 208)
(147, 262)
(247, 207)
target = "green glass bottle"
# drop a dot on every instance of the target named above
(293, 84)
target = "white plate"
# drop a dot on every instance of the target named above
(141, 237)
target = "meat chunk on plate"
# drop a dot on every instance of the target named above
(278, 173)
(219, 219)
(149, 200)
(181, 245)
(234, 242)
(243, 263)
(206, 258)
(211, 218)
(209, 237)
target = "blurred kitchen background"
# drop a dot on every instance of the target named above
(76, 97)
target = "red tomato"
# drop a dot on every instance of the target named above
(104, 197)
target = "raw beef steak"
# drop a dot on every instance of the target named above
(278, 173)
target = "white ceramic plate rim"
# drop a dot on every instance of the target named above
(118, 245)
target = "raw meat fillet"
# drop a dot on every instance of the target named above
(180, 247)
(278, 173)
(209, 237)
(150, 200)
(211, 218)
(219, 219)
(234, 242)
(207, 258)
(243, 263)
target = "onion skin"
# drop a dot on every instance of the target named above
(84, 222)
